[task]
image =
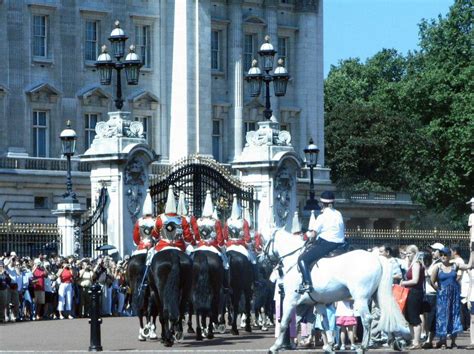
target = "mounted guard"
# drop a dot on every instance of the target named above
(237, 233)
(172, 230)
(143, 230)
(329, 229)
(208, 232)
(183, 211)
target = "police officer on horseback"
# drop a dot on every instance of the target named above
(329, 232)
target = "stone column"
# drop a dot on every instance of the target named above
(236, 73)
(270, 164)
(120, 157)
(309, 75)
(69, 215)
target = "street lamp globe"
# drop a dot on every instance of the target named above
(311, 153)
(254, 78)
(118, 38)
(104, 64)
(132, 65)
(280, 79)
(68, 140)
(267, 52)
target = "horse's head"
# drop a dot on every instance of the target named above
(280, 244)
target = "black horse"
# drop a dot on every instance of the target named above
(241, 279)
(168, 282)
(208, 275)
(143, 296)
(263, 295)
(185, 304)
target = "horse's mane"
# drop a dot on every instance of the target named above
(287, 241)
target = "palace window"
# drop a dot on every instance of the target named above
(283, 50)
(216, 51)
(40, 36)
(217, 139)
(250, 50)
(143, 44)
(146, 121)
(40, 134)
(91, 44)
(91, 120)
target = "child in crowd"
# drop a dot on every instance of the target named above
(346, 321)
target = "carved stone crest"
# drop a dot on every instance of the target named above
(283, 191)
(134, 180)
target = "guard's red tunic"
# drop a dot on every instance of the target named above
(217, 241)
(142, 243)
(242, 241)
(164, 242)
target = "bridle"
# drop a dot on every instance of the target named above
(276, 259)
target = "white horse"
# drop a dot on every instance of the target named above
(357, 274)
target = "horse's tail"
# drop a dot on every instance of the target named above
(391, 318)
(201, 298)
(171, 293)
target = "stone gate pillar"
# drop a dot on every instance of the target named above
(270, 164)
(119, 158)
(69, 215)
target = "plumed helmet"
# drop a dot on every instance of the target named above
(214, 214)
(247, 216)
(236, 212)
(312, 222)
(182, 210)
(170, 202)
(208, 207)
(327, 197)
(147, 208)
(296, 225)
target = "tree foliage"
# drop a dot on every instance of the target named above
(407, 122)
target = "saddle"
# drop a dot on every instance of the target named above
(341, 249)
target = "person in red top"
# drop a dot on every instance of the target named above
(65, 274)
(171, 229)
(143, 229)
(39, 275)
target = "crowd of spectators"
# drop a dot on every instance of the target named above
(54, 287)
(439, 306)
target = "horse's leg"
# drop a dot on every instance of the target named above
(190, 318)
(141, 335)
(248, 307)
(361, 307)
(198, 328)
(235, 311)
(289, 304)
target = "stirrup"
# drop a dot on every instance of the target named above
(305, 288)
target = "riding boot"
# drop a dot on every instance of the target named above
(307, 284)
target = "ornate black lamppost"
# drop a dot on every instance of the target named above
(311, 153)
(279, 77)
(131, 64)
(68, 142)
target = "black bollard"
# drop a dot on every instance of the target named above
(95, 320)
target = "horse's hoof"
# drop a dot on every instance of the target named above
(210, 335)
(328, 348)
(234, 332)
(248, 328)
(153, 336)
(221, 328)
(399, 345)
(178, 337)
(191, 330)
(141, 339)
(168, 343)
(205, 331)
(264, 329)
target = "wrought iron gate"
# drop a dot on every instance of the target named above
(195, 175)
(93, 227)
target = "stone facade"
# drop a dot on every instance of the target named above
(192, 93)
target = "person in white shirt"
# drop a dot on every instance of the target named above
(329, 229)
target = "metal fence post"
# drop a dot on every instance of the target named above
(95, 320)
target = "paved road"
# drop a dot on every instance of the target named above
(119, 334)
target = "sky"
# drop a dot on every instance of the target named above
(361, 28)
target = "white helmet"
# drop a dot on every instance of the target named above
(182, 210)
(147, 208)
(208, 209)
(170, 202)
(236, 211)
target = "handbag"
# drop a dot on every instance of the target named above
(400, 294)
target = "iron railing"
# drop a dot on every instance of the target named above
(369, 238)
(29, 239)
